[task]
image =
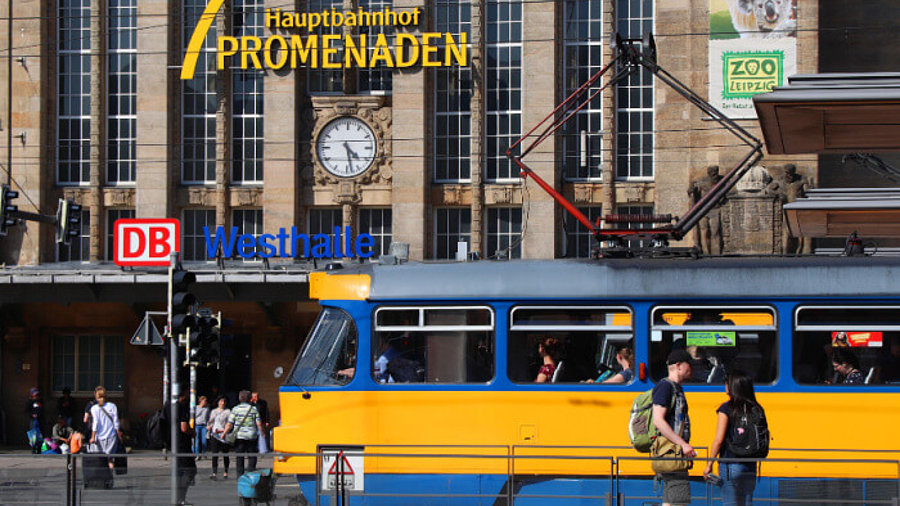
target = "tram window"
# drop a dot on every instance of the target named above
(719, 339)
(328, 356)
(583, 340)
(437, 344)
(863, 341)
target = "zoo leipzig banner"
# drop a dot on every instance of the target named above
(752, 48)
(328, 51)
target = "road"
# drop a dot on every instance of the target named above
(26, 479)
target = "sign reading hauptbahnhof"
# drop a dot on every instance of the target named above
(329, 51)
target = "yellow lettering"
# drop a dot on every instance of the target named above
(416, 17)
(328, 52)
(287, 20)
(221, 52)
(250, 52)
(404, 17)
(382, 52)
(281, 52)
(272, 19)
(357, 53)
(350, 19)
(315, 19)
(305, 53)
(460, 53)
(428, 49)
(413, 44)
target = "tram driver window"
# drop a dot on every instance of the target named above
(847, 345)
(720, 339)
(579, 344)
(435, 344)
(328, 356)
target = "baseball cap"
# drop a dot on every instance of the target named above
(677, 356)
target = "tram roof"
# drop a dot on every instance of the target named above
(635, 278)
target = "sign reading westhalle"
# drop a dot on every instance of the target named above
(145, 242)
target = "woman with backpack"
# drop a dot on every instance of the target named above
(741, 432)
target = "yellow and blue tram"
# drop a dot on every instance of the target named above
(441, 358)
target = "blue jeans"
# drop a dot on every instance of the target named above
(740, 481)
(200, 439)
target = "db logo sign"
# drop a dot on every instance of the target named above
(146, 241)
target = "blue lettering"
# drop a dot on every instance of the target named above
(267, 249)
(365, 245)
(282, 237)
(212, 246)
(323, 249)
(296, 237)
(247, 247)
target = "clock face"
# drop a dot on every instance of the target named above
(346, 146)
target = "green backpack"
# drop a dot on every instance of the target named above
(641, 429)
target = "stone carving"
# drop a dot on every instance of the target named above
(787, 186)
(710, 226)
(755, 180)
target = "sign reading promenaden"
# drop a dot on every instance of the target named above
(329, 51)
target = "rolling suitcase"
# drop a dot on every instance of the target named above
(96, 472)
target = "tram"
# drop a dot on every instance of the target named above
(437, 358)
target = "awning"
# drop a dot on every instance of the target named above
(832, 113)
(836, 212)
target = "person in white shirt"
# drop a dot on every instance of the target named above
(105, 424)
(218, 419)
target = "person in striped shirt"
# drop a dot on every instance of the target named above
(245, 421)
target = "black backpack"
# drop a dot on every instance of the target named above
(748, 436)
(158, 430)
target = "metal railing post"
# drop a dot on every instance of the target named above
(69, 479)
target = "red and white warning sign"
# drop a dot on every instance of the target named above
(342, 466)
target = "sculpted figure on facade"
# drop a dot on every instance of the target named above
(710, 226)
(788, 186)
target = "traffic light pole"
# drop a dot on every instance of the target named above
(174, 426)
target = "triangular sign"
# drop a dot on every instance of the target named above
(147, 334)
(348, 469)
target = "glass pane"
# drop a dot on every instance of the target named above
(329, 355)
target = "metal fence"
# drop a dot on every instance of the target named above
(489, 475)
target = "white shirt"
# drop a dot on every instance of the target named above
(105, 426)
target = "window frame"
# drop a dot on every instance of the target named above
(797, 331)
(777, 351)
(76, 391)
(491, 328)
(797, 327)
(611, 329)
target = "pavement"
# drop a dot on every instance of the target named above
(41, 479)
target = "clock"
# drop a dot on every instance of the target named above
(346, 146)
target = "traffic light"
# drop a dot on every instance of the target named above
(209, 326)
(182, 301)
(6, 208)
(68, 221)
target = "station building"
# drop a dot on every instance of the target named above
(97, 111)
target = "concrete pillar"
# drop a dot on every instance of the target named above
(158, 106)
(538, 99)
(281, 172)
(411, 135)
(94, 201)
(477, 105)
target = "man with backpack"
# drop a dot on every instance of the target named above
(671, 420)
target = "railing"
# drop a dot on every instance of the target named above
(489, 475)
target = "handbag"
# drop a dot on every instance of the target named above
(668, 457)
(231, 437)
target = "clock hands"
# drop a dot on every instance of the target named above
(350, 155)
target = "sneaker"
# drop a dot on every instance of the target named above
(212, 476)
(225, 476)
